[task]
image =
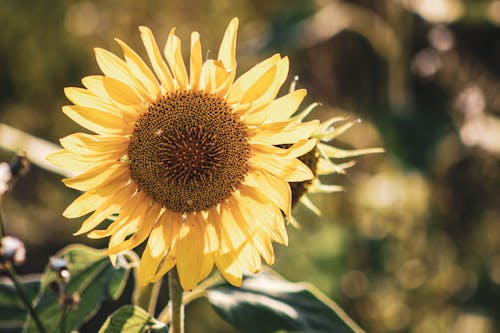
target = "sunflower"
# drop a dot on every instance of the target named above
(187, 160)
(322, 160)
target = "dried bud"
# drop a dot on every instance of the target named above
(70, 300)
(54, 286)
(57, 264)
(19, 165)
(5, 177)
(60, 266)
(65, 275)
(12, 250)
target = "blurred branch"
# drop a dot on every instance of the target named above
(36, 149)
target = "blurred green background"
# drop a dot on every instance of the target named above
(413, 244)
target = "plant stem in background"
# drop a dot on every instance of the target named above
(24, 296)
(175, 290)
(2, 227)
(62, 323)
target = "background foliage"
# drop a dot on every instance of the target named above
(413, 245)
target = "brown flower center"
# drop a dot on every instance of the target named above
(189, 151)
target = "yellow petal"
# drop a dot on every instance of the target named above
(111, 206)
(83, 143)
(172, 223)
(266, 214)
(173, 54)
(155, 250)
(237, 233)
(195, 62)
(291, 170)
(280, 109)
(146, 224)
(327, 131)
(140, 70)
(308, 203)
(283, 132)
(112, 90)
(97, 217)
(264, 245)
(192, 261)
(127, 222)
(167, 263)
(229, 267)
(298, 149)
(326, 167)
(267, 86)
(159, 66)
(245, 81)
(96, 176)
(97, 121)
(227, 50)
(274, 188)
(215, 78)
(224, 258)
(86, 98)
(212, 236)
(227, 58)
(91, 200)
(71, 161)
(259, 87)
(332, 152)
(304, 113)
(114, 67)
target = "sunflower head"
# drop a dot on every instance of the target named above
(195, 162)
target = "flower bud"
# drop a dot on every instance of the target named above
(12, 250)
(54, 286)
(60, 266)
(69, 300)
(5, 177)
(57, 264)
(19, 165)
(65, 275)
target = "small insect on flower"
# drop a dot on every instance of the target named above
(188, 159)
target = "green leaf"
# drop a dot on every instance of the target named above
(267, 303)
(93, 279)
(132, 319)
(13, 312)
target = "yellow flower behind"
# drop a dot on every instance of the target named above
(322, 159)
(188, 160)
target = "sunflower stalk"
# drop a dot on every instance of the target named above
(177, 306)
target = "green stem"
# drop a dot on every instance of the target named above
(62, 323)
(22, 293)
(62, 295)
(201, 290)
(176, 291)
